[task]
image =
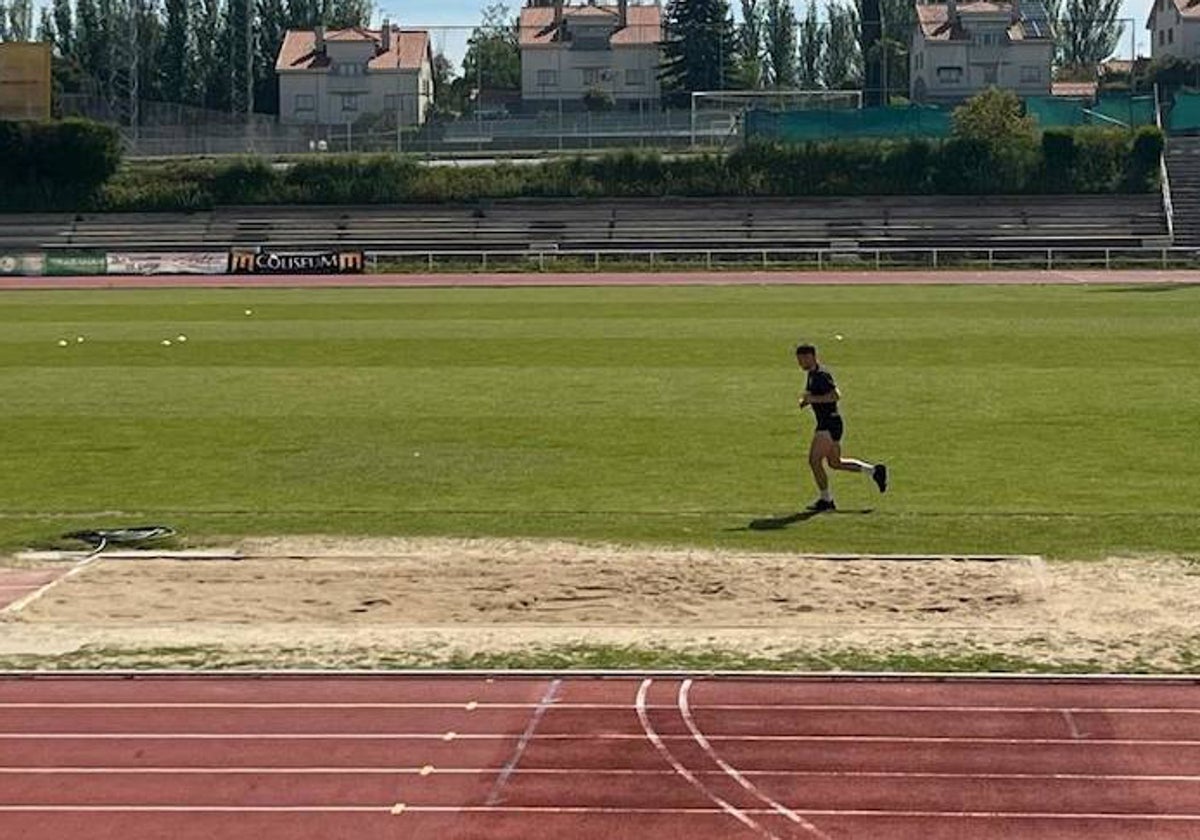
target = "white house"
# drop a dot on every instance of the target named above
(1174, 28)
(567, 51)
(333, 78)
(960, 49)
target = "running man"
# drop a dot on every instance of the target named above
(822, 394)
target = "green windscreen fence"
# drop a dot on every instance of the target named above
(931, 121)
(1184, 115)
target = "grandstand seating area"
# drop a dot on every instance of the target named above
(887, 222)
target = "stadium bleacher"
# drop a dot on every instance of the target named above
(1130, 221)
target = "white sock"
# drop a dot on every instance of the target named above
(826, 495)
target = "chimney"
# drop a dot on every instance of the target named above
(558, 13)
(623, 13)
(952, 12)
(320, 33)
(1016, 11)
(385, 36)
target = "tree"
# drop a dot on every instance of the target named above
(64, 30)
(208, 74)
(995, 118)
(1088, 31)
(812, 49)
(899, 20)
(493, 57)
(781, 43)
(750, 46)
(344, 14)
(174, 61)
(45, 30)
(271, 29)
(842, 63)
(20, 20)
(700, 52)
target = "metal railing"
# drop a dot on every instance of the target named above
(1164, 180)
(815, 259)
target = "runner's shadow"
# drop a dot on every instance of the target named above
(775, 523)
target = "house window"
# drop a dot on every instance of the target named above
(635, 78)
(1171, 35)
(591, 75)
(547, 78)
(349, 101)
(1031, 74)
(989, 74)
(348, 69)
(949, 75)
(1162, 37)
(305, 102)
(391, 103)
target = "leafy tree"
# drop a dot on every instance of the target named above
(173, 58)
(994, 117)
(750, 46)
(493, 57)
(781, 43)
(64, 30)
(1088, 31)
(842, 63)
(812, 49)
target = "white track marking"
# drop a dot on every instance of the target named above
(731, 771)
(21, 603)
(717, 707)
(655, 739)
(600, 736)
(1071, 724)
(526, 736)
(586, 771)
(570, 809)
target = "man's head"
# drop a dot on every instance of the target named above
(806, 356)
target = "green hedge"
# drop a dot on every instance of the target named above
(56, 165)
(1083, 160)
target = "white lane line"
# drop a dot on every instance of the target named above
(731, 771)
(598, 771)
(663, 750)
(497, 791)
(586, 809)
(21, 603)
(721, 707)
(599, 736)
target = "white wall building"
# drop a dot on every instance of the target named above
(333, 78)
(568, 50)
(960, 49)
(1174, 28)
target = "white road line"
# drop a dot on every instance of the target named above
(720, 707)
(655, 739)
(586, 771)
(731, 771)
(587, 809)
(21, 603)
(506, 772)
(599, 736)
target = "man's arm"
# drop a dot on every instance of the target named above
(809, 398)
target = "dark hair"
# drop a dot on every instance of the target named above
(806, 349)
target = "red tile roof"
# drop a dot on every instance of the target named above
(1075, 90)
(409, 49)
(644, 28)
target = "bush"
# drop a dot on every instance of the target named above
(56, 165)
(1058, 160)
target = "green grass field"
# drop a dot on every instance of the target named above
(1055, 420)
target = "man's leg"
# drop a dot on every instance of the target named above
(818, 453)
(877, 472)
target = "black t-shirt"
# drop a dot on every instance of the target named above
(820, 382)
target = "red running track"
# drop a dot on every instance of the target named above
(997, 277)
(367, 757)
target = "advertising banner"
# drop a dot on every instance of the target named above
(296, 262)
(211, 262)
(79, 264)
(21, 265)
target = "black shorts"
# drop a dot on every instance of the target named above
(833, 425)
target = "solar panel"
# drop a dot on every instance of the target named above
(1036, 17)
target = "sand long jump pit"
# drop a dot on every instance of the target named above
(323, 601)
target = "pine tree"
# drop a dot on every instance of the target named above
(1088, 31)
(700, 52)
(842, 64)
(64, 28)
(750, 45)
(20, 20)
(174, 58)
(45, 30)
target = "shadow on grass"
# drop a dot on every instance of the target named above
(775, 523)
(1148, 288)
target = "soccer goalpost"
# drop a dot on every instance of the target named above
(718, 113)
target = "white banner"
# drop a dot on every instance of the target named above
(210, 262)
(22, 264)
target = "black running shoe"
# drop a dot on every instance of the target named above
(821, 505)
(879, 475)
